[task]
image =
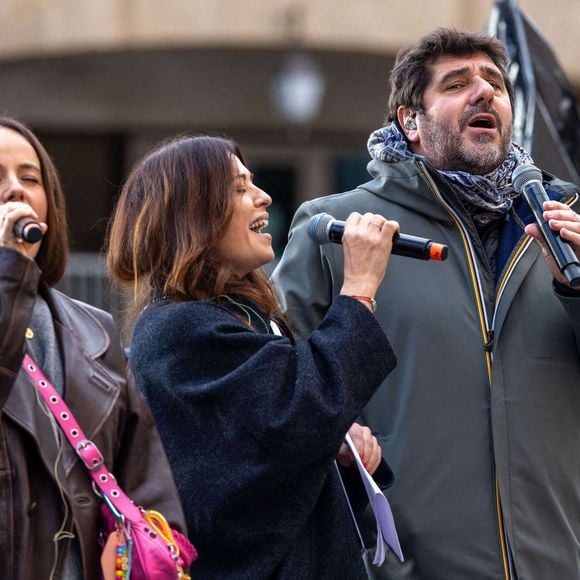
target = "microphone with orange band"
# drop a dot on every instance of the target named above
(323, 229)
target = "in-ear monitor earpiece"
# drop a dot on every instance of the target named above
(410, 124)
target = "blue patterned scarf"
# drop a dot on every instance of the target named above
(487, 198)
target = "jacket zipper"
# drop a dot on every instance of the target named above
(517, 254)
(489, 342)
(515, 257)
(486, 330)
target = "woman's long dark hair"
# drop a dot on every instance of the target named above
(174, 207)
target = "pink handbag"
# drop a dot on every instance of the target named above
(146, 548)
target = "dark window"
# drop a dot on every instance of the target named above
(350, 172)
(279, 181)
(91, 170)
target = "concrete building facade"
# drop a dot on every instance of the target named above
(102, 81)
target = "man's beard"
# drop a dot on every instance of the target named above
(446, 149)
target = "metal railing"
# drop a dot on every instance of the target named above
(86, 279)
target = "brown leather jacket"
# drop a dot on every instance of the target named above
(108, 406)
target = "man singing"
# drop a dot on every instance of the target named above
(481, 419)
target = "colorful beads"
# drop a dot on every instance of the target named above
(121, 561)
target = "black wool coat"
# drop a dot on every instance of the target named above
(252, 423)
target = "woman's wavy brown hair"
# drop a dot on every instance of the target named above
(53, 253)
(174, 207)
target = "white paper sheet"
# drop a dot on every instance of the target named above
(386, 531)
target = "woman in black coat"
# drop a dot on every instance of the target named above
(252, 421)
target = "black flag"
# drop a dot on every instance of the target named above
(546, 120)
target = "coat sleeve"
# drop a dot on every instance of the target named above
(201, 363)
(140, 462)
(142, 466)
(570, 300)
(19, 277)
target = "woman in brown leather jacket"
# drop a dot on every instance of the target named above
(50, 514)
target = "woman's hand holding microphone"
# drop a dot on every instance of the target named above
(15, 218)
(367, 243)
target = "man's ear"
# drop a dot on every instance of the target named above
(406, 118)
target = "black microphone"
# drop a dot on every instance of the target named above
(527, 180)
(28, 229)
(323, 228)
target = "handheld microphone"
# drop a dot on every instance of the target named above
(28, 229)
(323, 228)
(527, 180)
